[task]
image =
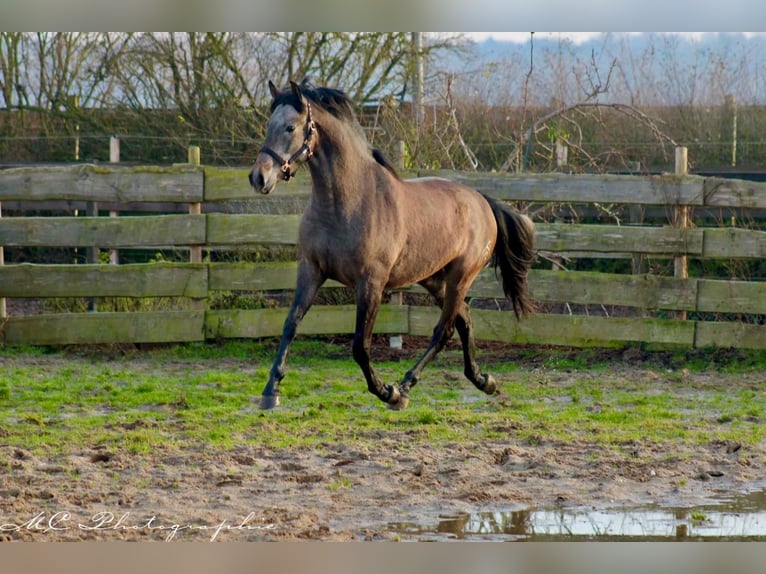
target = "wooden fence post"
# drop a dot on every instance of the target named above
(195, 251)
(681, 262)
(562, 156)
(397, 298)
(114, 157)
(91, 253)
(3, 308)
(636, 217)
(400, 154)
(92, 256)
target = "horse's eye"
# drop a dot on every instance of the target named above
(290, 128)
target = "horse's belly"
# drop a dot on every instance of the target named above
(406, 271)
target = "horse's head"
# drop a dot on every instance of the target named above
(290, 139)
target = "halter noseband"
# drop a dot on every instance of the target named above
(305, 149)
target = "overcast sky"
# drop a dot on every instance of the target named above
(576, 37)
(447, 15)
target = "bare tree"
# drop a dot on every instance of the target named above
(12, 88)
(367, 65)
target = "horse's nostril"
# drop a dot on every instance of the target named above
(256, 179)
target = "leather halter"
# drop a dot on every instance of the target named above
(285, 165)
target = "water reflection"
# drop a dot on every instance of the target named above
(739, 518)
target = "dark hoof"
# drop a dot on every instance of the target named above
(269, 402)
(489, 386)
(400, 403)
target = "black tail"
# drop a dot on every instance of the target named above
(514, 253)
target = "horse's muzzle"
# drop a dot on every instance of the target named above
(258, 182)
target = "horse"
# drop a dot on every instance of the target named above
(372, 231)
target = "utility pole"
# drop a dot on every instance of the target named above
(417, 72)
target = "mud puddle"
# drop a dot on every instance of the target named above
(738, 518)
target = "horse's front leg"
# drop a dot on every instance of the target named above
(367, 306)
(307, 285)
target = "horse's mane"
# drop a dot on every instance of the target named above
(382, 160)
(338, 104)
(332, 100)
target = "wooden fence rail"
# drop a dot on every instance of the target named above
(617, 308)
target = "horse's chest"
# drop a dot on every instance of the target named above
(329, 247)
(322, 239)
(331, 234)
(348, 246)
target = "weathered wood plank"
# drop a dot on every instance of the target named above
(570, 330)
(225, 229)
(587, 288)
(264, 276)
(605, 189)
(320, 320)
(103, 183)
(643, 291)
(581, 331)
(746, 297)
(730, 335)
(186, 184)
(721, 192)
(143, 231)
(553, 237)
(135, 280)
(562, 237)
(222, 184)
(227, 183)
(96, 328)
(735, 243)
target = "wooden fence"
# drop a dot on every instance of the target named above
(614, 308)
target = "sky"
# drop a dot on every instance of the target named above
(264, 15)
(522, 37)
(576, 37)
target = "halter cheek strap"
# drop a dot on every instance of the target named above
(285, 166)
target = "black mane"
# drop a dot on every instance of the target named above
(335, 102)
(382, 160)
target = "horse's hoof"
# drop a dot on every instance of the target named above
(490, 386)
(269, 402)
(393, 395)
(401, 404)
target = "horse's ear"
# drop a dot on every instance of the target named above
(298, 93)
(273, 89)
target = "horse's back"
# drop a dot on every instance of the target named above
(444, 194)
(444, 222)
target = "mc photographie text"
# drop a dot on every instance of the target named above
(62, 521)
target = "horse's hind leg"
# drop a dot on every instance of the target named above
(464, 326)
(455, 315)
(448, 299)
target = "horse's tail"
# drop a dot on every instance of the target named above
(514, 254)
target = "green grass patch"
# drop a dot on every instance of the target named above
(205, 396)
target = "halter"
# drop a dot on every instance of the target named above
(305, 149)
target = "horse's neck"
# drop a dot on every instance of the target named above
(339, 175)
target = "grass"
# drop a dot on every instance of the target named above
(203, 396)
(698, 517)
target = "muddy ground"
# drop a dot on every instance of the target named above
(352, 493)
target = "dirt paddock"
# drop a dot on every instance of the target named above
(347, 492)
